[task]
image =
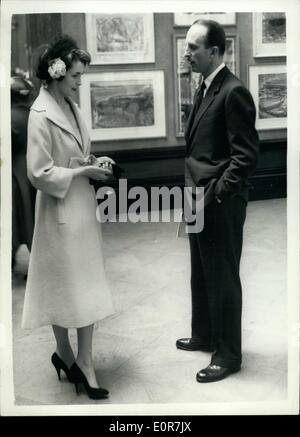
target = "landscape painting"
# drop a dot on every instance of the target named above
(120, 38)
(124, 104)
(272, 95)
(268, 85)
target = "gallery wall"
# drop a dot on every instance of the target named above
(163, 25)
(149, 161)
(165, 33)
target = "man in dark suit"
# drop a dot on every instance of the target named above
(222, 151)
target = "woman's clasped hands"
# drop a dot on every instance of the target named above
(100, 170)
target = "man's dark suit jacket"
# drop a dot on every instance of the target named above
(222, 142)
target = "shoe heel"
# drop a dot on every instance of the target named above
(56, 365)
(78, 377)
(58, 373)
(59, 365)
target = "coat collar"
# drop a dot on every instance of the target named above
(45, 102)
(206, 102)
(84, 137)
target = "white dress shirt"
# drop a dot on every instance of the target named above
(211, 77)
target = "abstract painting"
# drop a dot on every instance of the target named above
(120, 38)
(269, 34)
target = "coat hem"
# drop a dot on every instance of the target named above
(74, 325)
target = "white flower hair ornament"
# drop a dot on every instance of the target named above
(57, 68)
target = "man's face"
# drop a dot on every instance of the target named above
(199, 57)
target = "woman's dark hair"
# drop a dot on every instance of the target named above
(65, 48)
(215, 34)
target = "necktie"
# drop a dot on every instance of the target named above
(197, 102)
(200, 96)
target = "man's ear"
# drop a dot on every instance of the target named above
(215, 50)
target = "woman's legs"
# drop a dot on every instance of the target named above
(63, 349)
(85, 355)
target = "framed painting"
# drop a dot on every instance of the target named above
(187, 81)
(186, 84)
(120, 38)
(268, 86)
(231, 57)
(187, 18)
(124, 104)
(269, 34)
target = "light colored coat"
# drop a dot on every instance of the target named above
(66, 283)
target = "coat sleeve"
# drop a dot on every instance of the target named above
(243, 141)
(41, 170)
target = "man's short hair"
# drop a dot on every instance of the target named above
(215, 34)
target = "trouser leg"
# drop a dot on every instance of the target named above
(201, 325)
(220, 245)
(229, 222)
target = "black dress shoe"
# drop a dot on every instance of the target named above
(214, 373)
(79, 377)
(192, 344)
(59, 365)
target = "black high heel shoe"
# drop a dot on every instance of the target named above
(79, 377)
(59, 365)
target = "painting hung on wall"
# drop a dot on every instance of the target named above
(269, 34)
(268, 85)
(188, 81)
(187, 18)
(120, 38)
(123, 105)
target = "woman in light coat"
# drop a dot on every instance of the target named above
(66, 285)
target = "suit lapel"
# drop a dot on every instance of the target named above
(191, 116)
(190, 122)
(206, 102)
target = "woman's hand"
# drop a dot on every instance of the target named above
(103, 159)
(93, 172)
(105, 162)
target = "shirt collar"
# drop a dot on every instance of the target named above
(211, 77)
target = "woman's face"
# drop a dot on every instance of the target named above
(72, 80)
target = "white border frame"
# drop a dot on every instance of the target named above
(236, 53)
(145, 56)
(260, 49)
(104, 134)
(253, 73)
(287, 406)
(177, 83)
